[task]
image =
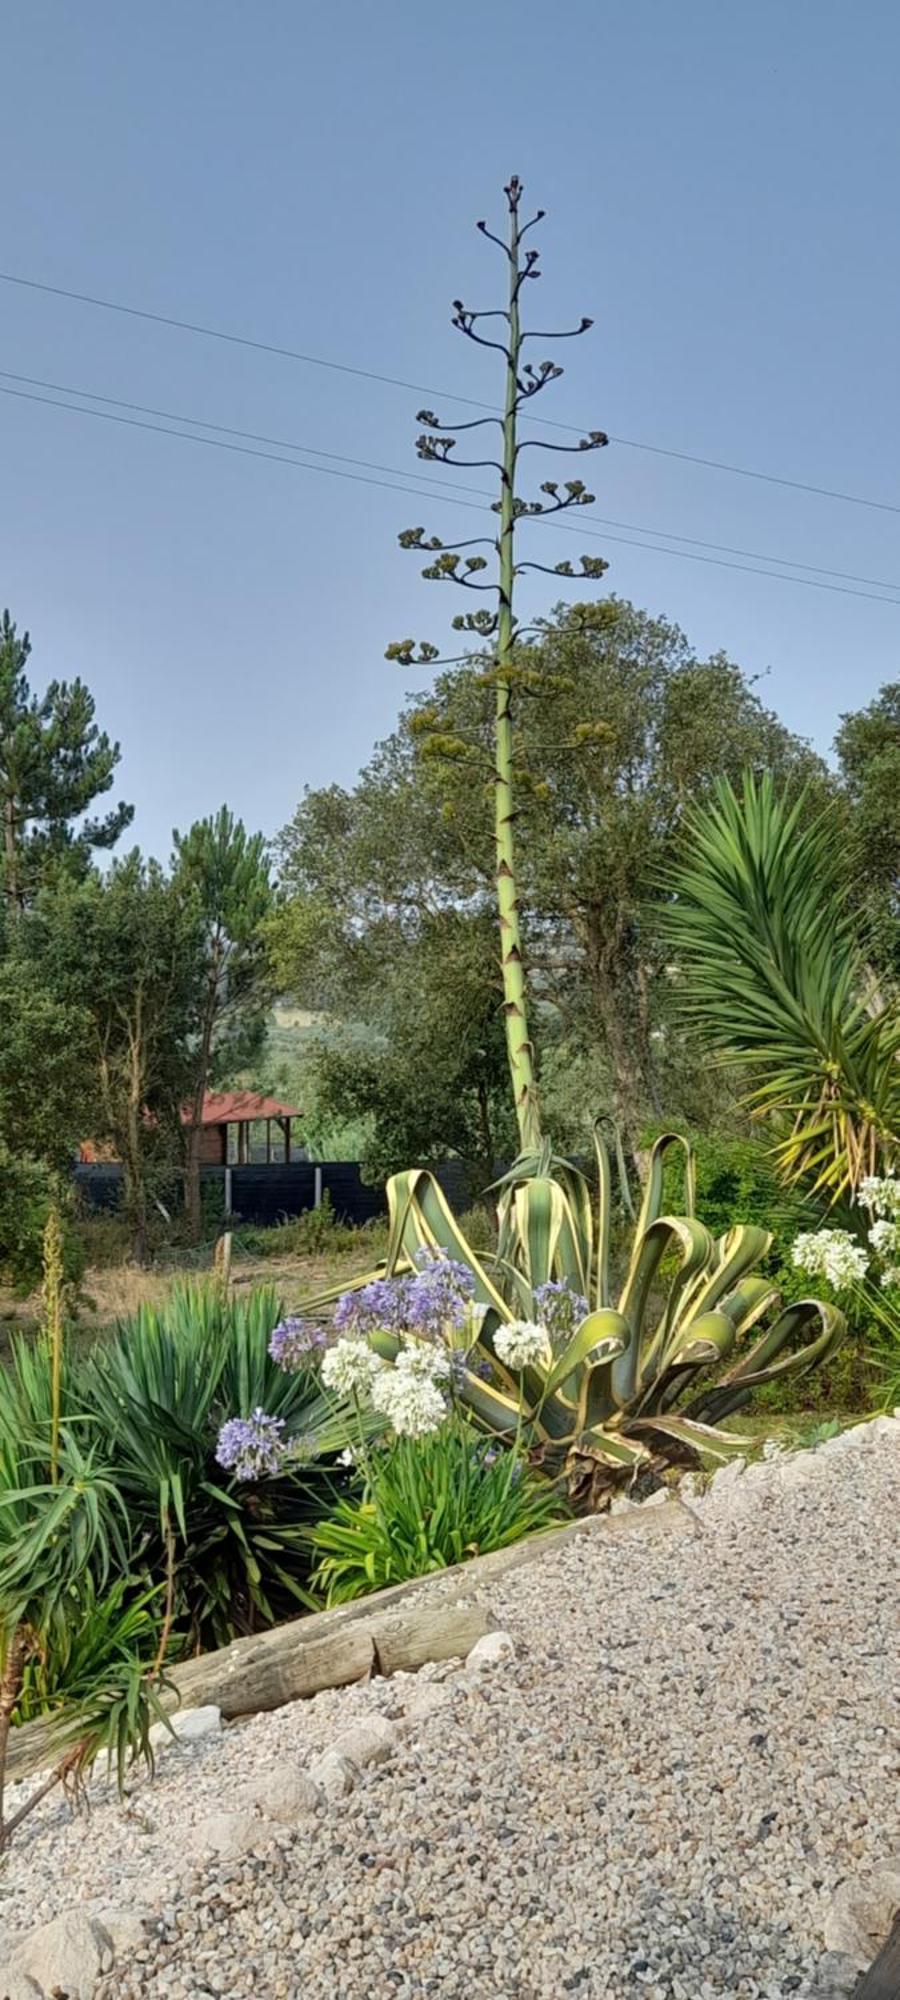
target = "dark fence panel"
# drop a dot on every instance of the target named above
(266, 1194)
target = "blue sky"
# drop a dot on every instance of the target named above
(720, 182)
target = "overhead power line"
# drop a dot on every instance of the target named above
(419, 389)
(432, 482)
(447, 497)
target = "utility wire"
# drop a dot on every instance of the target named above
(418, 388)
(401, 472)
(366, 479)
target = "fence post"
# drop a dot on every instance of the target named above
(317, 1188)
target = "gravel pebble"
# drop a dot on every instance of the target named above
(658, 1793)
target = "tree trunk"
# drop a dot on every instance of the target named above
(633, 1091)
(192, 1196)
(10, 858)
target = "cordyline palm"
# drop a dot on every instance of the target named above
(508, 666)
(774, 977)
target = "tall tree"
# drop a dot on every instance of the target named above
(54, 762)
(623, 727)
(125, 951)
(225, 872)
(507, 668)
(868, 750)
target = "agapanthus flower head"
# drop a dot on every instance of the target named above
(522, 1343)
(438, 1296)
(832, 1254)
(294, 1342)
(379, 1306)
(884, 1237)
(412, 1402)
(350, 1367)
(561, 1308)
(252, 1447)
(419, 1357)
(881, 1195)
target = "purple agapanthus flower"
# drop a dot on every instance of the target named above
(439, 1294)
(380, 1305)
(252, 1447)
(560, 1308)
(295, 1342)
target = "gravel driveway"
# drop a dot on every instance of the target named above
(694, 1742)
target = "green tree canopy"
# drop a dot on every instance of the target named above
(224, 872)
(619, 728)
(124, 952)
(54, 762)
(868, 749)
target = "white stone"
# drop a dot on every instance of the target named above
(334, 1775)
(284, 1795)
(124, 1923)
(658, 1499)
(226, 1833)
(861, 1914)
(622, 1505)
(367, 1742)
(188, 1725)
(491, 1650)
(18, 1986)
(69, 1953)
(728, 1476)
(426, 1701)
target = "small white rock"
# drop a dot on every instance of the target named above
(227, 1833)
(490, 1650)
(285, 1795)
(426, 1701)
(367, 1742)
(333, 1774)
(18, 1986)
(188, 1725)
(68, 1952)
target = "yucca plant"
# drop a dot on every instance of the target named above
(64, 1541)
(628, 1377)
(772, 974)
(159, 1393)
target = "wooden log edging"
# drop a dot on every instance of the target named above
(385, 1633)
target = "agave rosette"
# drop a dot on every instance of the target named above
(658, 1362)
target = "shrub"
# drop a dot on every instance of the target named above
(429, 1502)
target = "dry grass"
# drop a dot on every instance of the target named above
(112, 1292)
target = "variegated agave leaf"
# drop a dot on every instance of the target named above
(645, 1378)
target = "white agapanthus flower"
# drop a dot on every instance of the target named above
(411, 1401)
(884, 1237)
(832, 1254)
(418, 1357)
(523, 1343)
(881, 1196)
(350, 1367)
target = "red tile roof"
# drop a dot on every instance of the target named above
(238, 1107)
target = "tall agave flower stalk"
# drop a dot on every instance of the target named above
(499, 626)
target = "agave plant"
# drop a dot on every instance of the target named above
(650, 1369)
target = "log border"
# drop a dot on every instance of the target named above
(304, 1656)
